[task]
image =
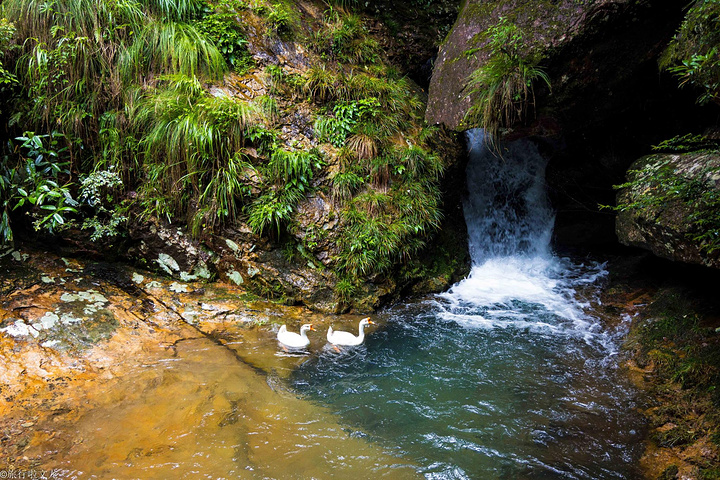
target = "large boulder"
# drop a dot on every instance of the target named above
(592, 52)
(670, 206)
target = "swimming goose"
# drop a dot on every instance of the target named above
(295, 340)
(347, 338)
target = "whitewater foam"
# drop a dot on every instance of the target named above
(516, 281)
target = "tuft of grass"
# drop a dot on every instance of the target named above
(344, 38)
(171, 48)
(345, 184)
(270, 212)
(191, 149)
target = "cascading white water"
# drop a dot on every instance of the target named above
(507, 211)
(514, 271)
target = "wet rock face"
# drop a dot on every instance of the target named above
(675, 198)
(238, 256)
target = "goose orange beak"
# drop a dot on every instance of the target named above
(312, 328)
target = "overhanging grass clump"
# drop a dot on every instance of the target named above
(503, 88)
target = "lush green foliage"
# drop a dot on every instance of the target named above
(98, 191)
(503, 86)
(110, 73)
(134, 90)
(191, 150)
(694, 53)
(36, 184)
(7, 79)
(282, 19)
(687, 143)
(386, 186)
(347, 116)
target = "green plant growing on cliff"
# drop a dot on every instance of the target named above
(503, 88)
(8, 80)
(323, 84)
(98, 192)
(270, 212)
(83, 63)
(171, 48)
(694, 53)
(687, 143)
(344, 38)
(281, 18)
(289, 174)
(388, 225)
(345, 184)
(347, 116)
(191, 149)
(658, 184)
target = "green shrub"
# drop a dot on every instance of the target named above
(99, 192)
(8, 80)
(34, 185)
(282, 19)
(227, 35)
(345, 184)
(345, 120)
(344, 38)
(272, 211)
(191, 150)
(294, 170)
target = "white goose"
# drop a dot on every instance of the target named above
(294, 340)
(347, 338)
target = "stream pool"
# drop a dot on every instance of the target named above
(507, 375)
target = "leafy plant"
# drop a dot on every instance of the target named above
(294, 170)
(344, 38)
(34, 185)
(271, 211)
(281, 17)
(687, 143)
(8, 80)
(345, 289)
(345, 119)
(227, 35)
(171, 48)
(190, 149)
(98, 191)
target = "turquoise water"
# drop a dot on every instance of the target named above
(470, 402)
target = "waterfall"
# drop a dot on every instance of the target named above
(507, 211)
(515, 279)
